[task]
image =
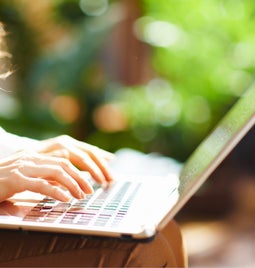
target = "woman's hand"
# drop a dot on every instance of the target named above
(84, 156)
(56, 164)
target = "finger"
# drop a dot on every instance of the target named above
(103, 153)
(20, 183)
(54, 172)
(102, 166)
(80, 178)
(45, 188)
(67, 141)
(87, 147)
(61, 153)
(84, 156)
(86, 161)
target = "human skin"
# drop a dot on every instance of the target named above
(57, 167)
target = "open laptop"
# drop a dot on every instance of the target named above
(137, 207)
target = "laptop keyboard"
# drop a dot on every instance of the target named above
(106, 207)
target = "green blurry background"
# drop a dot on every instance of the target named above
(150, 75)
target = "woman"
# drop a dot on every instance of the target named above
(49, 166)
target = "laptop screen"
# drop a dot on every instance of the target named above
(210, 153)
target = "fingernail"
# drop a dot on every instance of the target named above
(90, 190)
(82, 195)
(65, 197)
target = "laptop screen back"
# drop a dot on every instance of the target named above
(211, 152)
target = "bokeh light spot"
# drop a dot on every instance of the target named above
(65, 109)
(110, 118)
(94, 7)
(158, 33)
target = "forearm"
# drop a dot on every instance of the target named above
(10, 143)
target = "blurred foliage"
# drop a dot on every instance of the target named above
(55, 54)
(201, 55)
(203, 58)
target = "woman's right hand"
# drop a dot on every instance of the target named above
(44, 174)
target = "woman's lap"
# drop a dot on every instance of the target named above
(19, 248)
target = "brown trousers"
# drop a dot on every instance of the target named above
(35, 249)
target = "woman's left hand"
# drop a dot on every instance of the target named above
(84, 156)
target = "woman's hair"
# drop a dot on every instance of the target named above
(4, 73)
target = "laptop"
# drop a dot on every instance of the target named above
(135, 206)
